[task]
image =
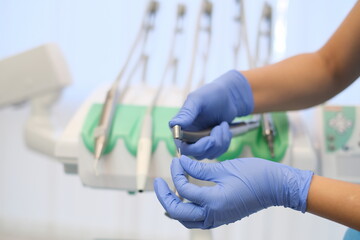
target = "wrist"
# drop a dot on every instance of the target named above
(239, 91)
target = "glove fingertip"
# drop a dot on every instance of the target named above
(187, 114)
(157, 181)
(184, 158)
(218, 131)
(192, 167)
(226, 135)
(174, 163)
(160, 186)
(199, 148)
(185, 161)
(225, 124)
(182, 121)
(173, 122)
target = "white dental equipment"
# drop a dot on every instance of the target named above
(143, 155)
(118, 168)
(144, 150)
(38, 76)
(118, 171)
(101, 133)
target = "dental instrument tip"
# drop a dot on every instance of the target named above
(141, 183)
(95, 166)
(178, 153)
(98, 149)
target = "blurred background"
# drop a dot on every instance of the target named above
(39, 201)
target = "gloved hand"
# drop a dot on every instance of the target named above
(225, 98)
(243, 186)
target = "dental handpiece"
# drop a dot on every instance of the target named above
(236, 129)
(103, 130)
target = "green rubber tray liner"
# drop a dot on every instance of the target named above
(127, 125)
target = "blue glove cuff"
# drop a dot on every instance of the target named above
(240, 91)
(299, 189)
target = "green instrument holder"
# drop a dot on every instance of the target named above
(127, 124)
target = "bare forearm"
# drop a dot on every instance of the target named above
(294, 83)
(335, 200)
(309, 79)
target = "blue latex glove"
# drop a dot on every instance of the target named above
(243, 186)
(222, 100)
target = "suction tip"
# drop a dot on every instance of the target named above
(141, 183)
